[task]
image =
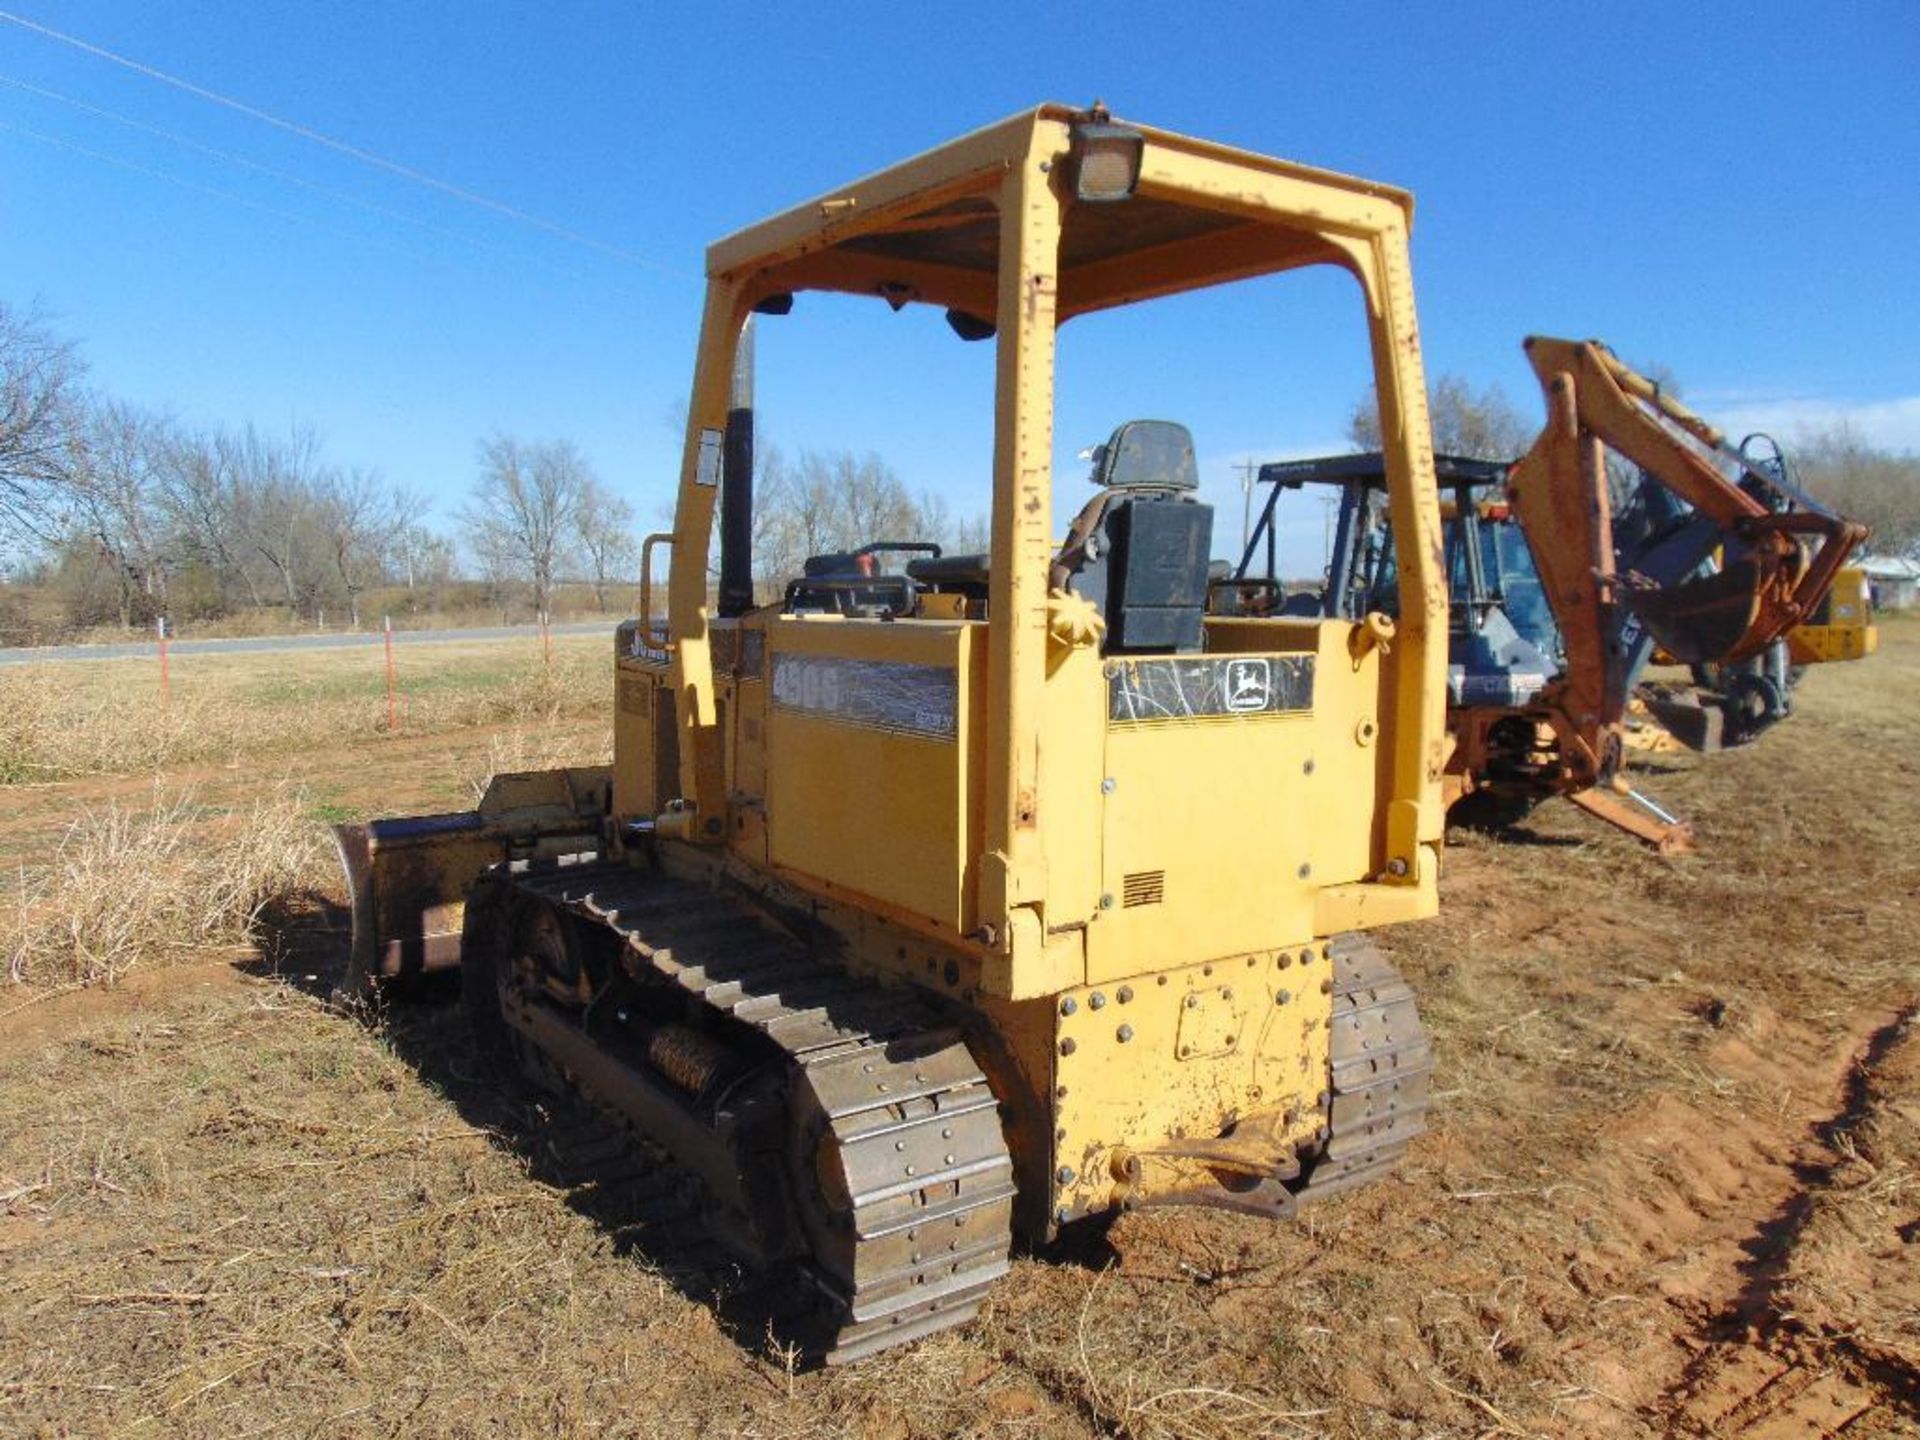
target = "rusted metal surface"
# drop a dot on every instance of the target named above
(1668, 836)
(408, 878)
(1382, 1060)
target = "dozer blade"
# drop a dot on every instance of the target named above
(1703, 620)
(408, 876)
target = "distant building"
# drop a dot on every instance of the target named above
(1895, 581)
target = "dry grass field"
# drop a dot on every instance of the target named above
(1672, 1185)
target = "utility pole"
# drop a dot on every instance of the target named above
(1248, 469)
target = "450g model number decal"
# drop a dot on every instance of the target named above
(880, 694)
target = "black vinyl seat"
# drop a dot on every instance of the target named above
(1140, 549)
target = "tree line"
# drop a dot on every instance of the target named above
(124, 515)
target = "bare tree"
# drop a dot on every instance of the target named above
(522, 516)
(204, 481)
(113, 493)
(362, 518)
(40, 424)
(424, 558)
(276, 517)
(1474, 425)
(1879, 488)
(603, 527)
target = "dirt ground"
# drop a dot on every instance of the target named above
(1672, 1184)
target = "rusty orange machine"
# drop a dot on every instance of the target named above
(1557, 599)
(1780, 550)
(910, 918)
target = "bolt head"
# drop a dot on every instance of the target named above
(1067, 1046)
(1124, 1033)
(1096, 1001)
(1305, 871)
(1283, 997)
(1123, 994)
(1109, 785)
(1069, 1005)
(1065, 1175)
(1106, 902)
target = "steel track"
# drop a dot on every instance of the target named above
(1382, 1061)
(903, 1202)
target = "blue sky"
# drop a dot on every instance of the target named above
(1732, 190)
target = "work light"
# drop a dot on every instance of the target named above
(1105, 160)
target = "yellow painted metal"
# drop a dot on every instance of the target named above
(1843, 628)
(879, 812)
(994, 204)
(1183, 1055)
(1012, 876)
(1211, 829)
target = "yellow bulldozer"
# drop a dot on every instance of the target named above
(915, 916)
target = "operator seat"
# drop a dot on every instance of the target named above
(1139, 549)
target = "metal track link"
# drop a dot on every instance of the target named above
(1382, 1061)
(913, 1216)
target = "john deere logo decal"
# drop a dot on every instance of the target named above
(1249, 685)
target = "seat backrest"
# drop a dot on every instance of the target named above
(1141, 547)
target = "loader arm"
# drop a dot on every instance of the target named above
(1612, 608)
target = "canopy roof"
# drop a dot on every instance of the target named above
(928, 229)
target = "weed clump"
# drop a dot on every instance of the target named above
(130, 887)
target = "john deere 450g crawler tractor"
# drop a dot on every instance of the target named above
(916, 914)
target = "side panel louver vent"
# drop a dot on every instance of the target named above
(1144, 887)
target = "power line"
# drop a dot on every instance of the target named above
(124, 164)
(365, 157)
(371, 207)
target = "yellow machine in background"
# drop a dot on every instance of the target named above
(921, 909)
(1842, 628)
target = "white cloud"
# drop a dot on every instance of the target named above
(1892, 424)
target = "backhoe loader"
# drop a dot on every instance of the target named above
(916, 914)
(1557, 604)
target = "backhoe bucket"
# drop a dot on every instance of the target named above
(1703, 620)
(408, 876)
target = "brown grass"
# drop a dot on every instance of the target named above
(139, 886)
(65, 720)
